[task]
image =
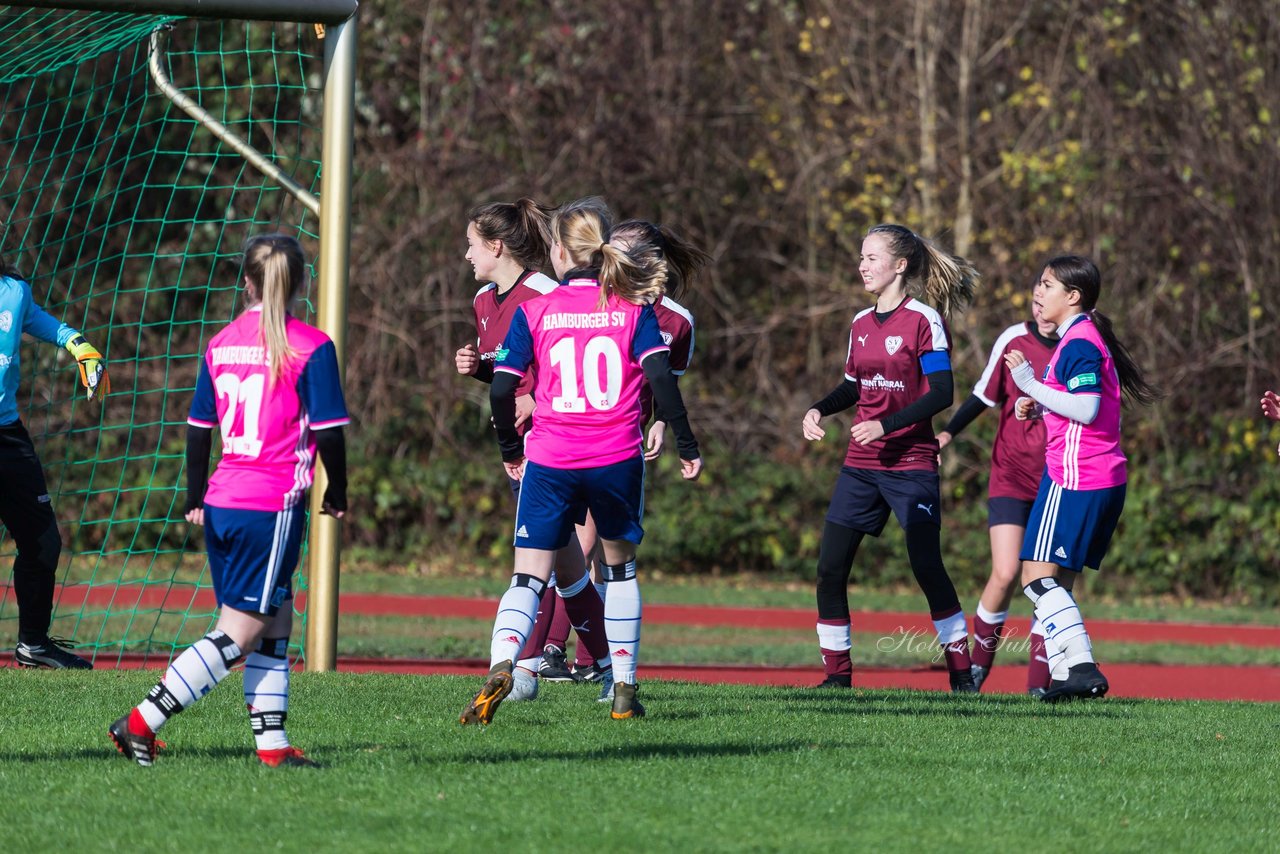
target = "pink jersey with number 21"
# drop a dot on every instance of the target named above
(267, 448)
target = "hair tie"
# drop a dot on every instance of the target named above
(602, 246)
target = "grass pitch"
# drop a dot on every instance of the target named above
(713, 768)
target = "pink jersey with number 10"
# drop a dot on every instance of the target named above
(587, 360)
(267, 448)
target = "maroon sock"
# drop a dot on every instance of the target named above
(986, 638)
(558, 633)
(538, 637)
(957, 655)
(835, 662)
(1038, 666)
(585, 611)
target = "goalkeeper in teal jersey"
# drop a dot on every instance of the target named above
(25, 508)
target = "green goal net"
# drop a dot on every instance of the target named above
(127, 216)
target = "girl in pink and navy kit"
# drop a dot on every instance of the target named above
(591, 343)
(1082, 491)
(1017, 461)
(270, 384)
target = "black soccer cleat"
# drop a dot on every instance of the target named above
(139, 748)
(51, 653)
(555, 665)
(625, 704)
(1083, 682)
(591, 673)
(962, 682)
(835, 681)
(979, 674)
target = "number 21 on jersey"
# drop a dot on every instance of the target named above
(597, 388)
(247, 391)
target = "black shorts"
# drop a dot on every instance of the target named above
(1003, 510)
(863, 499)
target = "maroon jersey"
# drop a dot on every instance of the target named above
(676, 324)
(885, 360)
(493, 317)
(1017, 456)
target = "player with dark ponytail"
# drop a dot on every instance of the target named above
(1082, 491)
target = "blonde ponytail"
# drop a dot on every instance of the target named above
(582, 228)
(276, 265)
(946, 282)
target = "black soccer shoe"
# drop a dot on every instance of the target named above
(591, 673)
(51, 653)
(833, 681)
(139, 748)
(979, 674)
(962, 682)
(1083, 682)
(555, 666)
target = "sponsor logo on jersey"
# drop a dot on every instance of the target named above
(6, 321)
(892, 343)
(495, 355)
(879, 382)
(667, 338)
(1084, 379)
(238, 354)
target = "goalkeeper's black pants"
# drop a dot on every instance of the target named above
(27, 513)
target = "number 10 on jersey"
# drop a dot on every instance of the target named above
(597, 351)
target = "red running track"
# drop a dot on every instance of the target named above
(128, 597)
(1259, 684)
(1207, 682)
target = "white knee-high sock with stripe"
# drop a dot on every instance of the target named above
(266, 692)
(1066, 640)
(189, 677)
(517, 612)
(622, 612)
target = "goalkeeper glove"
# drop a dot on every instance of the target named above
(93, 367)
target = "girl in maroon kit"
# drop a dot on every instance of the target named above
(1017, 463)
(898, 374)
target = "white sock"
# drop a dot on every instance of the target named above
(992, 618)
(266, 692)
(951, 629)
(517, 612)
(1063, 626)
(622, 608)
(189, 677)
(834, 638)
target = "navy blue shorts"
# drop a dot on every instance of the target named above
(863, 499)
(1072, 527)
(1003, 510)
(553, 500)
(252, 556)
